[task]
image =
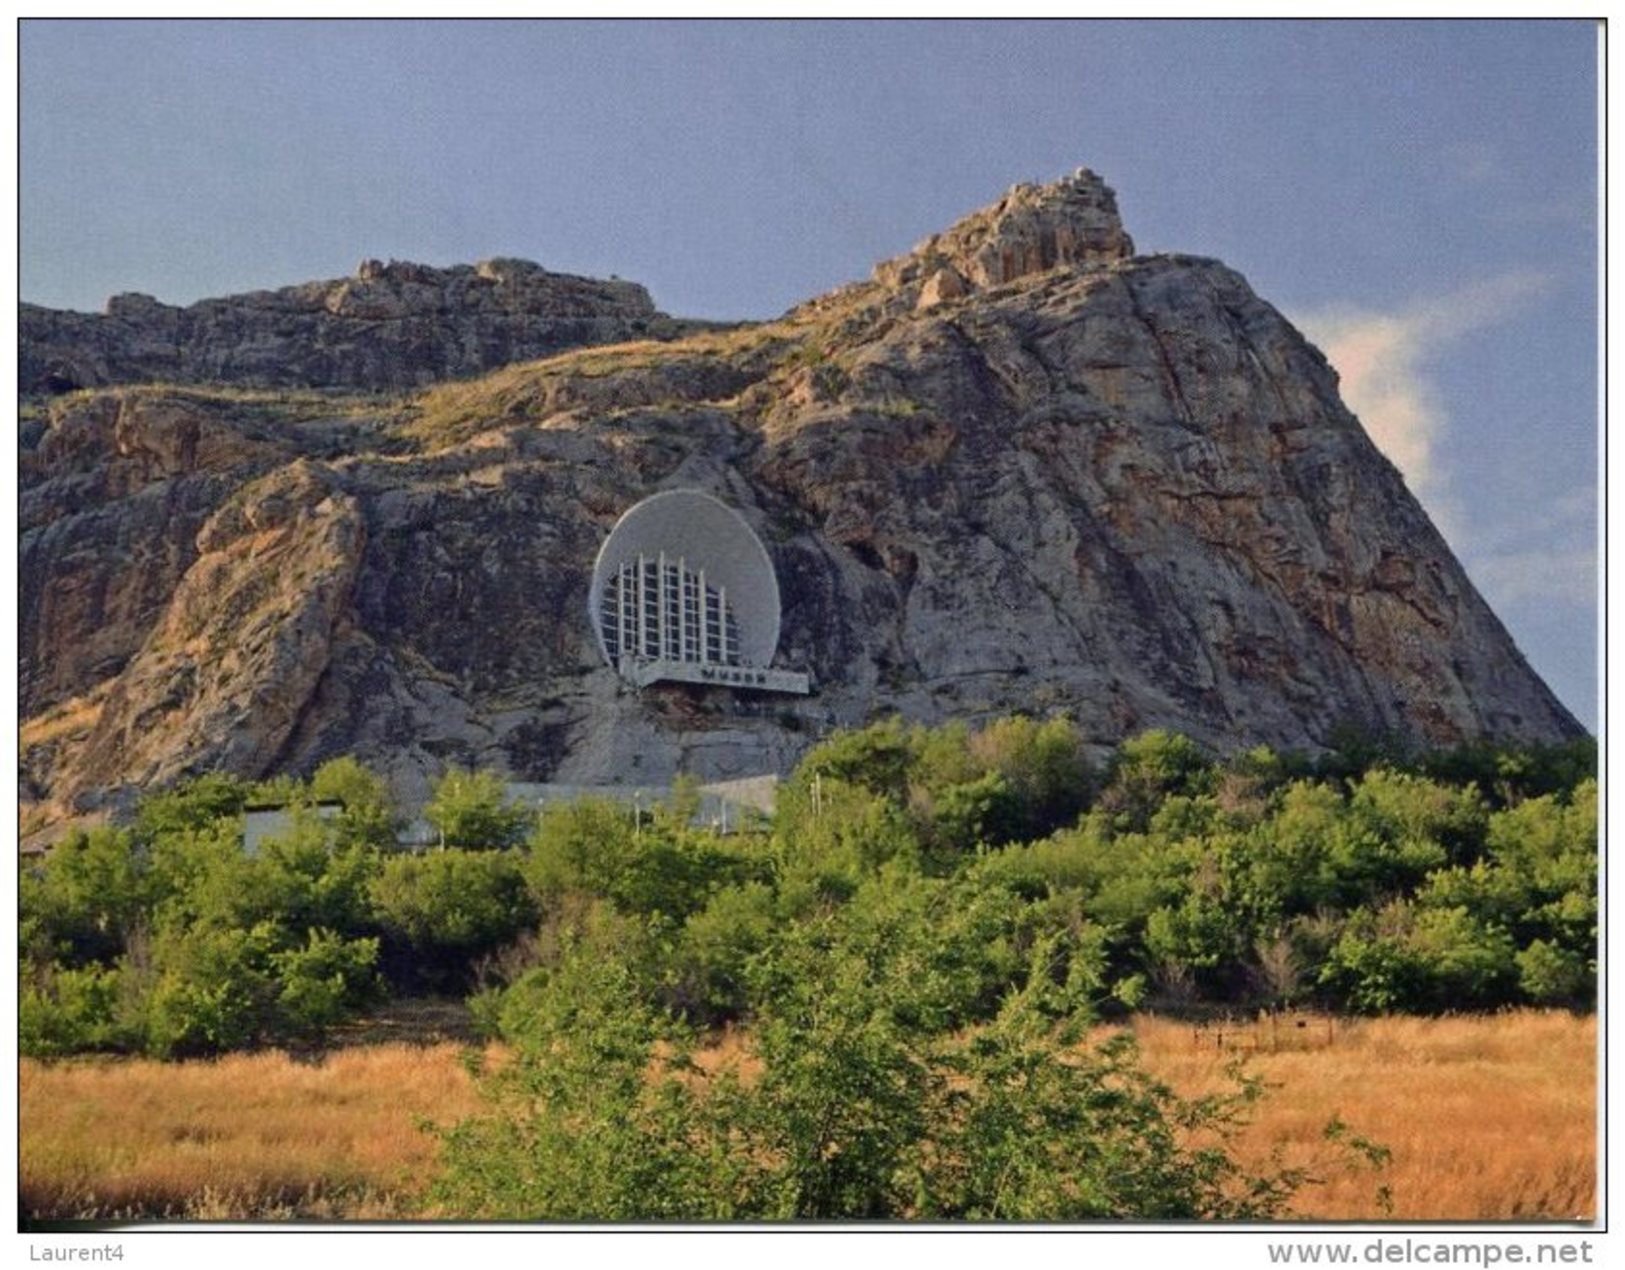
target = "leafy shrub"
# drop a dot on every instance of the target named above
(866, 1098)
(584, 846)
(645, 864)
(471, 810)
(69, 1011)
(587, 928)
(1198, 934)
(212, 990)
(840, 830)
(975, 813)
(1049, 775)
(1396, 881)
(877, 758)
(1549, 975)
(1421, 960)
(716, 948)
(1420, 816)
(580, 1130)
(1467, 962)
(1149, 767)
(1373, 972)
(199, 803)
(81, 903)
(440, 912)
(368, 817)
(323, 981)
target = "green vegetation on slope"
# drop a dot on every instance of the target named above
(913, 950)
(1358, 881)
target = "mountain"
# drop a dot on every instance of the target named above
(1019, 469)
(391, 327)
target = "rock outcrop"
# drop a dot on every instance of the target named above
(1021, 469)
(391, 327)
(1032, 229)
(244, 640)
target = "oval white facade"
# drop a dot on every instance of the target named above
(683, 581)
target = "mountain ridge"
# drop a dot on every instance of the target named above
(390, 326)
(1018, 468)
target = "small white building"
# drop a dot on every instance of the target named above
(263, 821)
(727, 806)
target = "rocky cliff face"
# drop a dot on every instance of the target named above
(1031, 229)
(1020, 469)
(391, 327)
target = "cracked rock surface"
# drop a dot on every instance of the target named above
(389, 327)
(1021, 469)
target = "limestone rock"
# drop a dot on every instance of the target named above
(112, 499)
(222, 678)
(392, 326)
(1115, 486)
(942, 285)
(1034, 228)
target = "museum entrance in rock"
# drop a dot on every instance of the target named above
(661, 608)
(683, 590)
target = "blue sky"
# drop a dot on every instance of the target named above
(1420, 197)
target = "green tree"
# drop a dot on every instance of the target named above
(440, 913)
(322, 981)
(471, 810)
(1550, 975)
(1026, 1129)
(879, 758)
(368, 817)
(1045, 766)
(1468, 962)
(300, 881)
(883, 1082)
(975, 813)
(586, 1123)
(1544, 851)
(1405, 958)
(1424, 823)
(1149, 767)
(211, 990)
(827, 837)
(63, 1011)
(1371, 970)
(648, 863)
(583, 846)
(81, 903)
(717, 944)
(193, 804)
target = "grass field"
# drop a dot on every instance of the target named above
(245, 1136)
(1487, 1118)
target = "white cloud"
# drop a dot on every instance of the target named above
(1384, 361)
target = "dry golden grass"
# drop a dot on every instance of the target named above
(287, 404)
(63, 719)
(1487, 1118)
(246, 1136)
(455, 411)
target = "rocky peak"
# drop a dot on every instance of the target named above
(1115, 486)
(1033, 228)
